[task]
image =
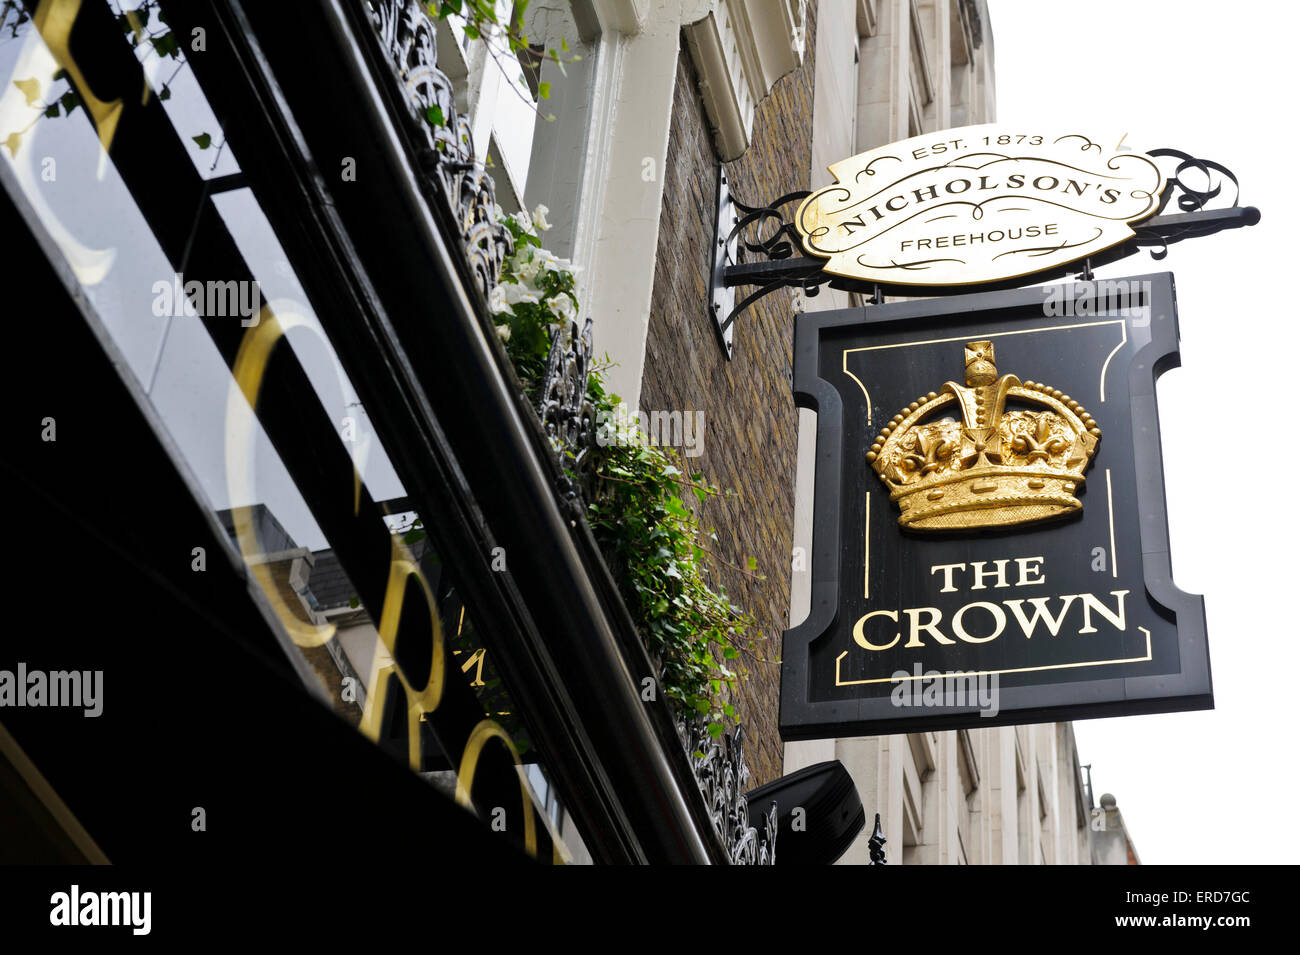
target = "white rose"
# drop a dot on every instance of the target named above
(504, 332)
(539, 218)
(524, 222)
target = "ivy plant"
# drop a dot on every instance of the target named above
(645, 512)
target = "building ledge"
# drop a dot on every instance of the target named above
(740, 48)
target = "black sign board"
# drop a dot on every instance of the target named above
(990, 543)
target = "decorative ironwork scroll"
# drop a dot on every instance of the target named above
(1197, 220)
(721, 773)
(740, 229)
(1191, 199)
(876, 844)
(779, 244)
(567, 413)
(411, 40)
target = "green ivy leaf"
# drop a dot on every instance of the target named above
(650, 536)
(203, 139)
(434, 115)
(166, 45)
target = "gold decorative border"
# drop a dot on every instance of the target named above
(866, 540)
(866, 557)
(1110, 513)
(1122, 323)
(1047, 666)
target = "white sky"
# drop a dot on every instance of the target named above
(1215, 80)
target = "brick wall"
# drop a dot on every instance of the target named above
(751, 426)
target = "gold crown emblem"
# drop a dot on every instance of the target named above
(995, 467)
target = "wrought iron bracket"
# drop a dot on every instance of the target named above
(1164, 231)
(722, 297)
(738, 231)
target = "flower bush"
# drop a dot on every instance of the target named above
(644, 513)
(534, 298)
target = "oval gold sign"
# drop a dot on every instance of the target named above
(976, 204)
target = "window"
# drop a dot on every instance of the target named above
(219, 329)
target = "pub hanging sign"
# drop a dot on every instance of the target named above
(990, 543)
(977, 204)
